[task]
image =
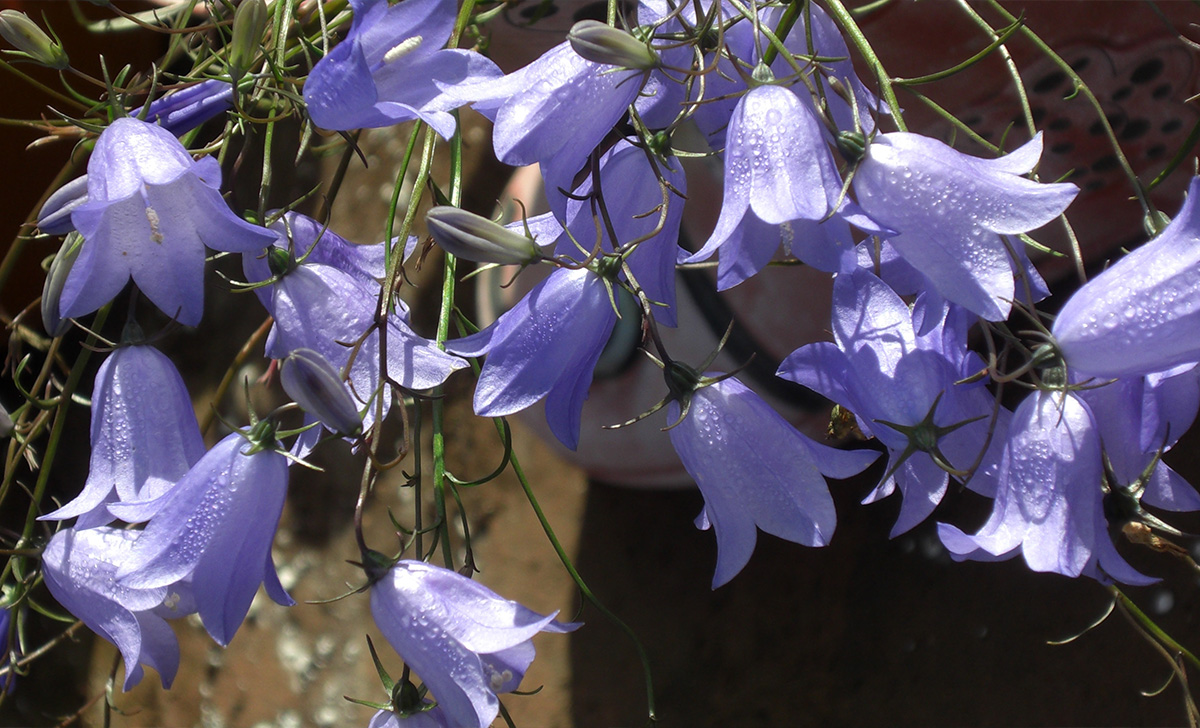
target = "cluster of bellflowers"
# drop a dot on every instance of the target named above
(925, 245)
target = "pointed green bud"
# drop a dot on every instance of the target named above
(313, 383)
(6, 423)
(474, 237)
(601, 43)
(249, 23)
(27, 37)
(375, 565)
(56, 277)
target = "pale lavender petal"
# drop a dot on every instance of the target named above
(754, 469)
(1141, 314)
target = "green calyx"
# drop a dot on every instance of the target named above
(924, 437)
(280, 261)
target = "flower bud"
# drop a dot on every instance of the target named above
(55, 216)
(473, 237)
(249, 22)
(6, 428)
(27, 37)
(314, 384)
(52, 289)
(601, 43)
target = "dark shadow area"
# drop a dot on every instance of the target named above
(867, 631)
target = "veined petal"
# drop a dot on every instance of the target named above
(775, 148)
(754, 469)
(548, 338)
(1141, 314)
(79, 569)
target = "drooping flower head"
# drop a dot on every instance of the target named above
(1049, 501)
(1142, 314)
(633, 203)
(556, 110)
(80, 570)
(215, 529)
(150, 211)
(392, 68)
(144, 434)
(465, 642)
(950, 211)
(756, 471)
(779, 173)
(547, 345)
(329, 300)
(901, 386)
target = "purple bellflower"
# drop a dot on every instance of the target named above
(633, 197)
(181, 111)
(547, 346)
(214, 528)
(883, 372)
(150, 211)
(777, 165)
(1049, 502)
(556, 110)
(144, 435)
(463, 640)
(950, 211)
(331, 298)
(392, 68)
(1142, 314)
(80, 569)
(780, 184)
(178, 112)
(1135, 428)
(756, 471)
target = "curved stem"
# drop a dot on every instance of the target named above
(581, 585)
(843, 17)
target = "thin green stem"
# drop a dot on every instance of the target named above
(41, 86)
(56, 431)
(449, 279)
(860, 42)
(1148, 624)
(1082, 88)
(579, 582)
(788, 19)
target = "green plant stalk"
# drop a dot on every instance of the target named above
(773, 41)
(1082, 88)
(788, 19)
(1176, 160)
(855, 34)
(464, 19)
(449, 279)
(579, 582)
(1151, 627)
(391, 261)
(997, 42)
(41, 86)
(56, 431)
(265, 188)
